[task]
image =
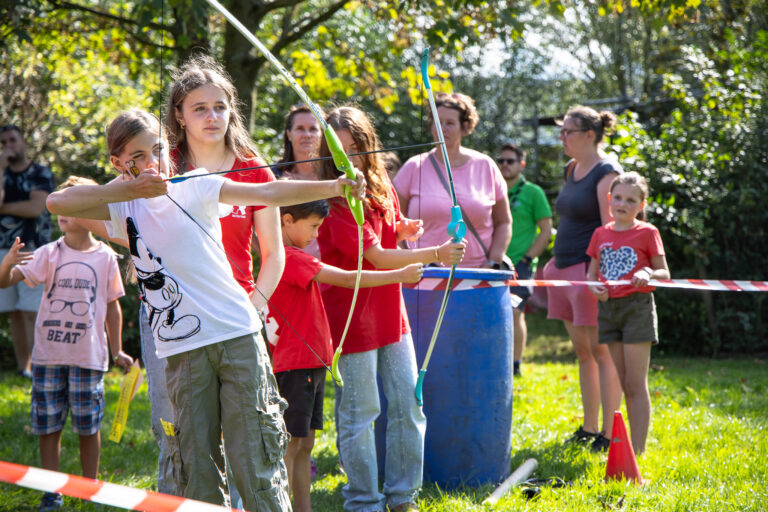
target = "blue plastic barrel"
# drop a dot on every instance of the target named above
(468, 385)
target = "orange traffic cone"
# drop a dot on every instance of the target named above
(621, 456)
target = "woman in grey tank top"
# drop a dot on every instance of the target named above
(582, 206)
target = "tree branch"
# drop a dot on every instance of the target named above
(308, 24)
(63, 4)
(268, 7)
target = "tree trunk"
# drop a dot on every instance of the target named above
(241, 59)
(714, 330)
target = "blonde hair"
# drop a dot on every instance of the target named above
(127, 125)
(633, 179)
(202, 70)
(360, 127)
(74, 181)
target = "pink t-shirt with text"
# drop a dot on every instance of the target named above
(478, 184)
(78, 285)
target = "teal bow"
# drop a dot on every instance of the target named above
(456, 227)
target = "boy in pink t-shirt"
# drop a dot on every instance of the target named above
(82, 284)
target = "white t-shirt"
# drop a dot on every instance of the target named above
(184, 277)
(69, 329)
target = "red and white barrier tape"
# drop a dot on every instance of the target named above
(438, 284)
(100, 492)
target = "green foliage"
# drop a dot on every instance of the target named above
(63, 85)
(706, 167)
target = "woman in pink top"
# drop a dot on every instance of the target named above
(480, 188)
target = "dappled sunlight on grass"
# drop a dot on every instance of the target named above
(706, 448)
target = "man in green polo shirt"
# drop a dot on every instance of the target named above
(531, 230)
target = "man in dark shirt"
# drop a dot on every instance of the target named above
(26, 186)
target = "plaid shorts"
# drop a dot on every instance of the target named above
(57, 389)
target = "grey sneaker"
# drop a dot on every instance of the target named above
(51, 501)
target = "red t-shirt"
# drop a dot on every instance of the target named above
(380, 317)
(300, 305)
(236, 228)
(622, 253)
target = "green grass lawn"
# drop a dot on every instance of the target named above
(707, 447)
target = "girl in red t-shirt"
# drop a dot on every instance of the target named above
(628, 248)
(379, 339)
(206, 129)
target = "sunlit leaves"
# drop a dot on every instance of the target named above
(65, 83)
(707, 169)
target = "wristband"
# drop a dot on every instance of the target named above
(649, 270)
(437, 255)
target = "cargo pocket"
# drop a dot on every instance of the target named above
(174, 456)
(273, 499)
(274, 436)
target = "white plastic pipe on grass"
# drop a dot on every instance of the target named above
(519, 475)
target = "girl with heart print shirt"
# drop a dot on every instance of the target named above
(629, 249)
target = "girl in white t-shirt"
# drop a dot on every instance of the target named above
(219, 376)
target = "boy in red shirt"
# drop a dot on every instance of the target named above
(302, 347)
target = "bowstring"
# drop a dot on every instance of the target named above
(246, 274)
(180, 177)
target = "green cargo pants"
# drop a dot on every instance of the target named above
(229, 388)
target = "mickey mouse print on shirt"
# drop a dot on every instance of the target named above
(159, 292)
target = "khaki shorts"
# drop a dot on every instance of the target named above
(630, 319)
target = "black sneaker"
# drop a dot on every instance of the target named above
(51, 501)
(582, 436)
(600, 444)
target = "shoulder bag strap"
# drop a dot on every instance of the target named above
(472, 229)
